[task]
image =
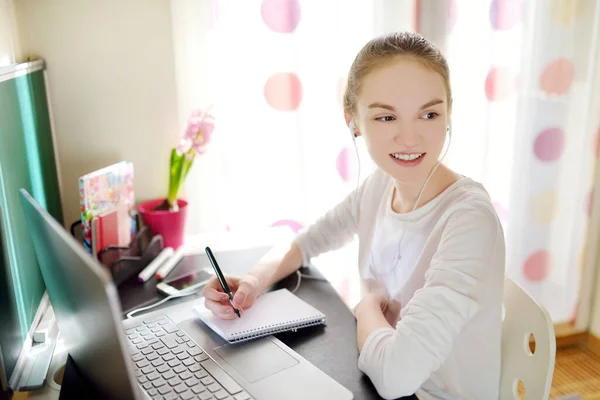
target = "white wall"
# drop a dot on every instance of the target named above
(112, 86)
(9, 41)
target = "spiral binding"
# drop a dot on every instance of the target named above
(245, 335)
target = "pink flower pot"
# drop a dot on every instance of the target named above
(169, 224)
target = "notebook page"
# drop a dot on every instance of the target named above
(272, 309)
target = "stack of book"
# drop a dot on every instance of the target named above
(107, 202)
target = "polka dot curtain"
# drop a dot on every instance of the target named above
(275, 72)
(526, 122)
(524, 119)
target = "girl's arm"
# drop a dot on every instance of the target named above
(337, 227)
(330, 232)
(277, 264)
(370, 317)
(398, 361)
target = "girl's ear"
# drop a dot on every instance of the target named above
(350, 122)
(348, 117)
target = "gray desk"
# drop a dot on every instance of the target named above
(332, 348)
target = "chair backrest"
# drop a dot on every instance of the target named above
(525, 317)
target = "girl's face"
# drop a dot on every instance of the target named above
(402, 113)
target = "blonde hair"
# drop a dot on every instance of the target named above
(383, 49)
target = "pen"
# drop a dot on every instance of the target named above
(170, 264)
(221, 278)
(150, 270)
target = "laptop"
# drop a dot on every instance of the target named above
(166, 354)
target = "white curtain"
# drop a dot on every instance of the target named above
(525, 76)
(274, 72)
(525, 118)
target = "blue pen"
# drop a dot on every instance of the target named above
(221, 278)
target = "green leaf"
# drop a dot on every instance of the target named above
(175, 175)
(188, 164)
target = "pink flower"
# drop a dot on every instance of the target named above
(197, 135)
(200, 124)
(201, 141)
(184, 145)
(198, 132)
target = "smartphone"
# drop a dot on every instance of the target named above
(189, 281)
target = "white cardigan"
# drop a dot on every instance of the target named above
(448, 281)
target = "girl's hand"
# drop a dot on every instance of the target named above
(377, 302)
(245, 290)
(372, 302)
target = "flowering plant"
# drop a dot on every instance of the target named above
(197, 135)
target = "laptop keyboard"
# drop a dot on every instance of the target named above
(169, 365)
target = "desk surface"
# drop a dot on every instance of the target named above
(333, 348)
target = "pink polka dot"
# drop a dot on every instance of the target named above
(341, 88)
(345, 164)
(557, 76)
(501, 211)
(228, 228)
(500, 83)
(504, 14)
(537, 266)
(283, 91)
(295, 226)
(549, 144)
(281, 16)
(451, 17)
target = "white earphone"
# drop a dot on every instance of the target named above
(351, 126)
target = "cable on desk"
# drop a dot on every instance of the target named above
(197, 290)
(158, 303)
(300, 276)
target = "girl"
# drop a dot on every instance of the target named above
(431, 247)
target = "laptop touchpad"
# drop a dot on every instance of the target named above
(256, 359)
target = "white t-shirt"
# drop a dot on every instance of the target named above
(444, 264)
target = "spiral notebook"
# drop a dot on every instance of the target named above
(272, 312)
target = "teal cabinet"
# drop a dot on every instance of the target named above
(27, 160)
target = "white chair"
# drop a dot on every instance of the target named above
(525, 317)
